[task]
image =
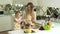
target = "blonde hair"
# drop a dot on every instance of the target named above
(31, 14)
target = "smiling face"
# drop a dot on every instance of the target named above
(29, 7)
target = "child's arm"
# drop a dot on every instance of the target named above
(17, 21)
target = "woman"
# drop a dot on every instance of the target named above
(30, 15)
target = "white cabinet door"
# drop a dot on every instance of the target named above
(5, 23)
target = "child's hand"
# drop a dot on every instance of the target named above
(23, 21)
(19, 21)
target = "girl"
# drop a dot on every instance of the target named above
(17, 20)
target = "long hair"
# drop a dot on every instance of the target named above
(32, 12)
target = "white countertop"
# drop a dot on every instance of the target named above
(55, 30)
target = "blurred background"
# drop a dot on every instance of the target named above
(43, 9)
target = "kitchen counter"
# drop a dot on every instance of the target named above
(54, 30)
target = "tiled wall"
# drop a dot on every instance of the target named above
(25, 2)
(50, 3)
(6, 1)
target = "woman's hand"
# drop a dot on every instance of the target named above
(33, 21)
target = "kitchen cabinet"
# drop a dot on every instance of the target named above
(6, 23)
